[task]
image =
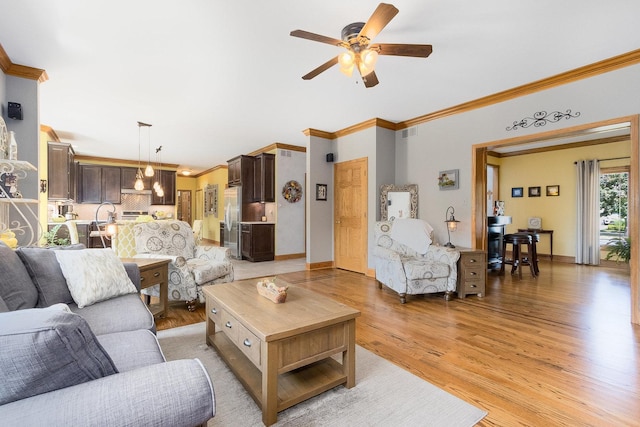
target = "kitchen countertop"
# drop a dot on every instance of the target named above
(257, 222)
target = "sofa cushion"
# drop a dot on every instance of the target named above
(16, 288)
(132, 350)
(205, 270)
(94, 275)
(47, 349)
(3, 306)
(123, 313)
(416, 269)
(43, 267)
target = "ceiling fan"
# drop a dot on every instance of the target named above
(360, 53)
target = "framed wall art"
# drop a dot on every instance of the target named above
(321, 191)
(516, 192)
(553, 190)
(534, 191)
(449, 180)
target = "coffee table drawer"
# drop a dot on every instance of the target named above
(249, 344)
(214, 311)
(230, 326)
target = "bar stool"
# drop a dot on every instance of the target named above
(535, 238)
(518, 257)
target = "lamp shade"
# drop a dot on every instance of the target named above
(347, 61)
(452, 224)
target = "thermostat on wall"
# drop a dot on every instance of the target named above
(535, 222)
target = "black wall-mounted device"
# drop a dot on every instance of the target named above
(15, 111)
(329, 157)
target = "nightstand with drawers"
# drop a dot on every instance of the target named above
(472, 272)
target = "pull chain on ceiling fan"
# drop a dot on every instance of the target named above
(360, 53)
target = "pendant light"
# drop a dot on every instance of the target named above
(148, 171)
(156, 185)
(139, 184)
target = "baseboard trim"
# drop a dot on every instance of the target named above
(290, 256)
(319, 265)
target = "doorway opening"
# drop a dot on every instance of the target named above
(184, 206)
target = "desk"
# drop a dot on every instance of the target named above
(540, 231)
(154, 272)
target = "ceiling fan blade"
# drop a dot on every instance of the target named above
(324, 67)
(416, 50)
(383, 14)
(370, 80)
(315, 37)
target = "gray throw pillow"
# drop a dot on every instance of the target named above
(16, 288)
(45, 272)
(46, 349)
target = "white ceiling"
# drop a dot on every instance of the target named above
(222, 78)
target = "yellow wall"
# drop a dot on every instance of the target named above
(211, 223)
(551, 168)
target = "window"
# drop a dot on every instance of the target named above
(614, 197)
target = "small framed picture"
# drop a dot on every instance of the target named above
(449, 180)
(553, 190)
(534, 191)
(516, 192)
(321, 191)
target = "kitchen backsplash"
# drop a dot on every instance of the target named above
(135, 202)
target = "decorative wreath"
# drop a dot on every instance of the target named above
(292, 191)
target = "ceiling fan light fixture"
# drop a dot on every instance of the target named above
(347, 61)
(367, 62)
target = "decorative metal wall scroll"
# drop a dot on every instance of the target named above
(541, 118)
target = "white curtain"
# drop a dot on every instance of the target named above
(588, 212)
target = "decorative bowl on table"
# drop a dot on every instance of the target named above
(268, 289)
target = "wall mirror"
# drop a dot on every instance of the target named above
(398, 201)
(211, 200)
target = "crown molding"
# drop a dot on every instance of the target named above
(587, 71)
(51, 134)
(22, 71)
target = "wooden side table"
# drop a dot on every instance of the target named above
(472, 272)
(154, 272)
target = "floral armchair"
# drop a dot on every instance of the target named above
(192, 266)
(409, 263)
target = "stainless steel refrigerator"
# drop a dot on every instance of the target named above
(232, 218)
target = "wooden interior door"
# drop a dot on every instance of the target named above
(350, 215)
(184, 206)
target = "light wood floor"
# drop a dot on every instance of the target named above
(558, 350)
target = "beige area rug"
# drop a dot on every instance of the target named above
(384, 395)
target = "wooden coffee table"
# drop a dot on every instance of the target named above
(281, 353)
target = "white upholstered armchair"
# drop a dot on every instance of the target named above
(407, 261)
(192, 266)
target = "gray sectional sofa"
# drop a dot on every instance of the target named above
(99, 365)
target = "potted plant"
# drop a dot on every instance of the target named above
(620, 248)
(52, 239)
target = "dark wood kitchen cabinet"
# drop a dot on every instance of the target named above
(240, 171)
(257, 241)
(97, 184)
(61, 171)
(264, 177)
(167, 179)
(128, 179)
